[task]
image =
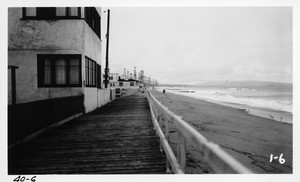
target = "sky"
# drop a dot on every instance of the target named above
(198, 44)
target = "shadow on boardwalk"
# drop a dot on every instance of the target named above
(118, 138)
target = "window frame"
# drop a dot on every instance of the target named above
(98, 72)
(93, 81)
(55, 17)
(53, 57)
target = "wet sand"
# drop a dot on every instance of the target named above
(249, 139)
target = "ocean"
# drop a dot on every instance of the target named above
(265, 99)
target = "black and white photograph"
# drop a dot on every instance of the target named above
(161, 91)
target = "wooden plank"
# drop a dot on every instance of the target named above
(181, 152)
(167, 129)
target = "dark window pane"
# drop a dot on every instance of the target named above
(86, 71)
(47, 76)
(73, 11)
(98, 76)
(61, 71)
(74, 71)
(30, 12)
(46, 12)
(61, 11)
(94, 73)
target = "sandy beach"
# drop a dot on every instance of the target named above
(249, 139)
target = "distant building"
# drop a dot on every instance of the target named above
(113, 79)
(146, 80)
(128, 83)
(134, 74)
(127, 80)
(141, 77)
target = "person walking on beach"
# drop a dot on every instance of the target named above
(164, 91)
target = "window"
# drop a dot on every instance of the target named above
(45, 13)
(121, 84)
(58, 70)
(98, 76)
(50, 13)
(90, 72)
(93, 20)
(131, 83)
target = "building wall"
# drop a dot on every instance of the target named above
(113, 93)
(91, 44)
(103, 97)
(115, 77)
(97, 99)
(91, 49)
(26, 79)
(90, 99)
(26, 39)
(43, 34)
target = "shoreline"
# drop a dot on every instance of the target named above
(276, 115)
(248, 138)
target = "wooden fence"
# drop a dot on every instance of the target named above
(216, 158)
(27, 118)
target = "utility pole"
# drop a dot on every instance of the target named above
(107, 47)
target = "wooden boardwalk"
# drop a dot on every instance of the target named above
(115, 139)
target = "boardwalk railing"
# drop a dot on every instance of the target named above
(216, 158)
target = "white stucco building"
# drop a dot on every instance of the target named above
(58, 54)
(113, 79)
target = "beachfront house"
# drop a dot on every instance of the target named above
(54, 59)
(125, 81)
(113, 79)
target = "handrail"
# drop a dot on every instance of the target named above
(216, 158)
